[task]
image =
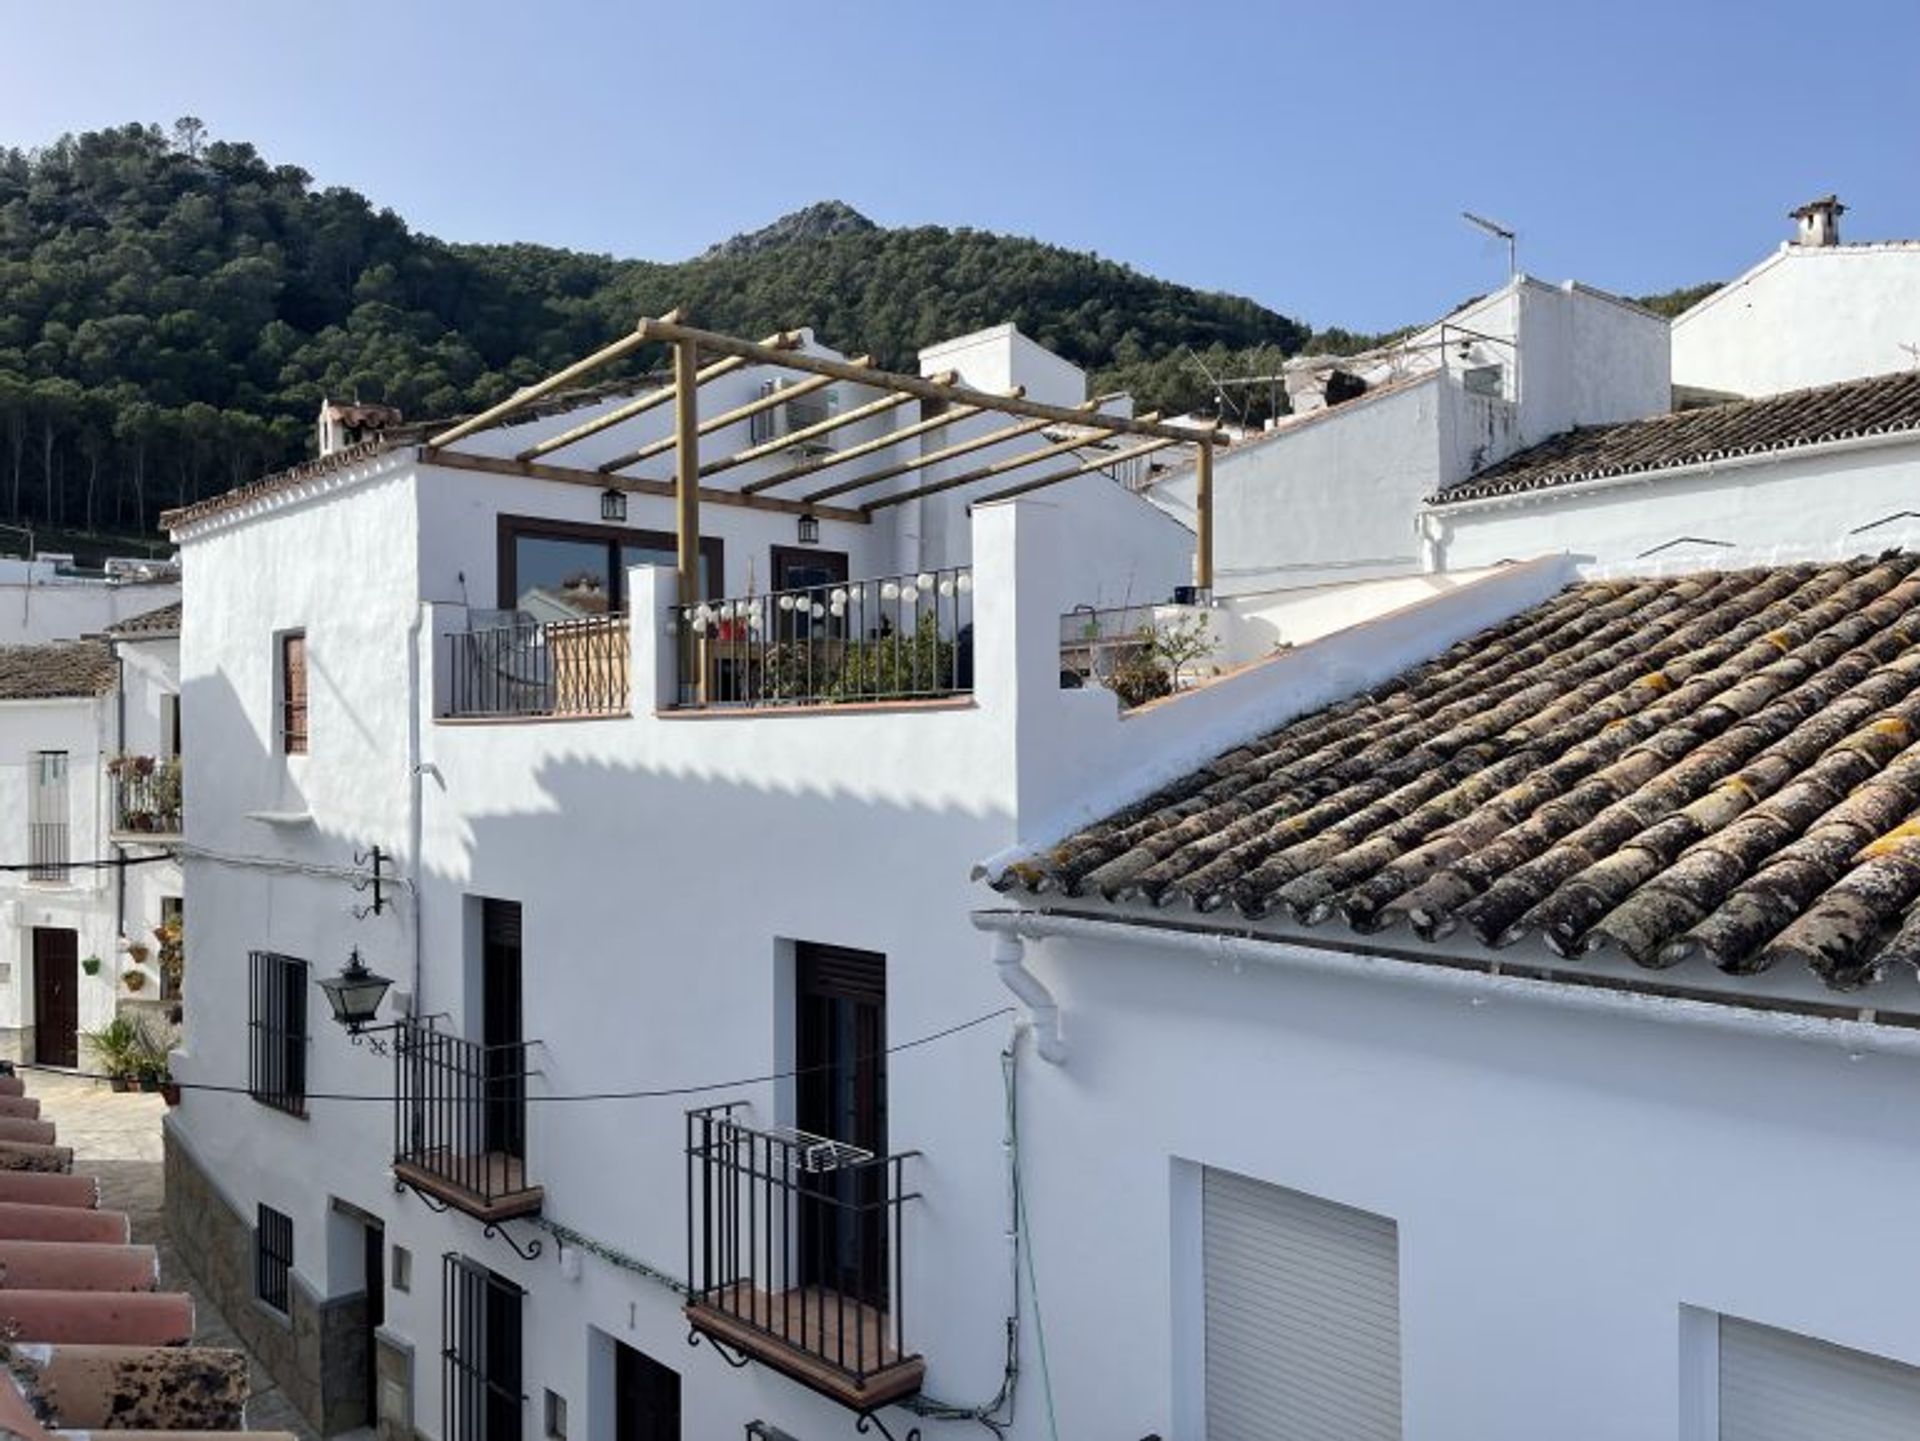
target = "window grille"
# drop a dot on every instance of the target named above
(293, 692)
(47, 812)
(480, 1361)
(277, 1053)
(273, 1259)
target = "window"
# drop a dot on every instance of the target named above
(556, 570)
(273, 1259)
(1302, 1307)
(1776, 1384)
(293, 692)
(556, 1416)
(402, 1270)
(277, 1050)
(480, 1373)
(646, 1399)
(47, 817)
(170, 723)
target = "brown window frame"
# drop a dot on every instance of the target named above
(780, 555)
(511, 527)
(293, 711)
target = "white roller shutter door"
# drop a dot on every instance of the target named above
(1302, 1316)
(1776, 1386)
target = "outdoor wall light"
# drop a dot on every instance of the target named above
(809, 530)
(355, 994)
(613, 504)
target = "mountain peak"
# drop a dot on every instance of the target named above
(818, 221)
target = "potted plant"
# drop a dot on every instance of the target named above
(119, 1045)
(138, 951)
(172, 953)
(91, 965)
(134, 979)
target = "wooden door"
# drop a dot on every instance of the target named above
(56, 996)
(374, 1242)
(841, 1094)
(646, 1398)
(500, 1021)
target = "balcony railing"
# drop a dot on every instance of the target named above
(903, 637)
(146, 795)
(460, 1122)
(47, 851)
(575, 667)
(795, 1256)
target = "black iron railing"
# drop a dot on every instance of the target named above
(902, 637)
(533, 668)
(146, 794)
(797, 1241)
(460, 1118)
(481, 1353)
(277, 1031)
(47, 850)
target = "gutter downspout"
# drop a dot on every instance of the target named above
(1477, 987)
(1008, 953)
(416, 786)
(119, 746)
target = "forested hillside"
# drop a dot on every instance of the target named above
(174, 307)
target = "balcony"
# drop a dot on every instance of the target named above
(531, 670)
(146, 797)
(893, 638)
(460, 1123)
(795, 1256)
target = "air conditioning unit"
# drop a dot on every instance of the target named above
(796, 415)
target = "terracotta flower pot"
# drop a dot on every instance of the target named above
(170, 1092)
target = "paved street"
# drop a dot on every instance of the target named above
(116, 1136)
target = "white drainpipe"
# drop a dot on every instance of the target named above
(1043, 1012)
(1754, 1017)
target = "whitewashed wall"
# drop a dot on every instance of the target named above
(149, 673)
(1563, 1184)
(1818, 502)
(37, 605)
(1804, 317)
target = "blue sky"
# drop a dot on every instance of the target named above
(1313, 156)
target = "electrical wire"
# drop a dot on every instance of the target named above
(649, 1094)
(96, 865)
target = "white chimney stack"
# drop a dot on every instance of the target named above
(1819, 222)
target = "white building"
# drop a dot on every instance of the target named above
(593, 870)
(45, 599)
(90, 777)
(1332, 493)
(1813, 312)
(1518, 1048)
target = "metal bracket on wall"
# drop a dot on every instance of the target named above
(870, 1421)
(528, 1252)
(378, 860)
(695, 1336)
(433, 1203)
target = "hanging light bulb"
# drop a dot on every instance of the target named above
(946, 587)
(924, 581)
(890, 591)
(837, 609)
(786, 602)
(839, 596)
(964, 583)
(819, 610)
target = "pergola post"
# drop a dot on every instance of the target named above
(686, 506)
(1203, 512)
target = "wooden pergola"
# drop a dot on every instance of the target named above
(725, 354)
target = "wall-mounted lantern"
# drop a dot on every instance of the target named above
(613, 505)
(355, 994)
(809, 530)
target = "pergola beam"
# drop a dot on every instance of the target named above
(865, 447)
(784, 340)
(934, 457)
(632, 485)
(807, 432)
(1100, 463)
(606, 355)
(669, 328)
(1001, 467)
(774, 398)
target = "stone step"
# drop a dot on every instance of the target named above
(22, 1128)
(144, 1388)
(25, 1106)
(21, 1221)
(77, 1266)
(12, 1085)
(48, 1188)
(122, 1318)
(33, 1156)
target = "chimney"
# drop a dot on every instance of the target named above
(342, 425)
(1819, 222)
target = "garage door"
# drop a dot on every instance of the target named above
(1776, 1386)
(1302, 1316)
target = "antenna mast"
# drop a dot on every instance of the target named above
(1499, 232)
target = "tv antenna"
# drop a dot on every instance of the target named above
(1498, 232)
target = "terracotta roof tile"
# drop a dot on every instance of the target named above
(165, 620)
(1884, 404)
(61, 669)
(1720, 766)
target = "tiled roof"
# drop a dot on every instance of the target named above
(1881, 405)
(1720, 768)
(165, 620)
(393, 438)
(88, 1341)
(62, 668)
